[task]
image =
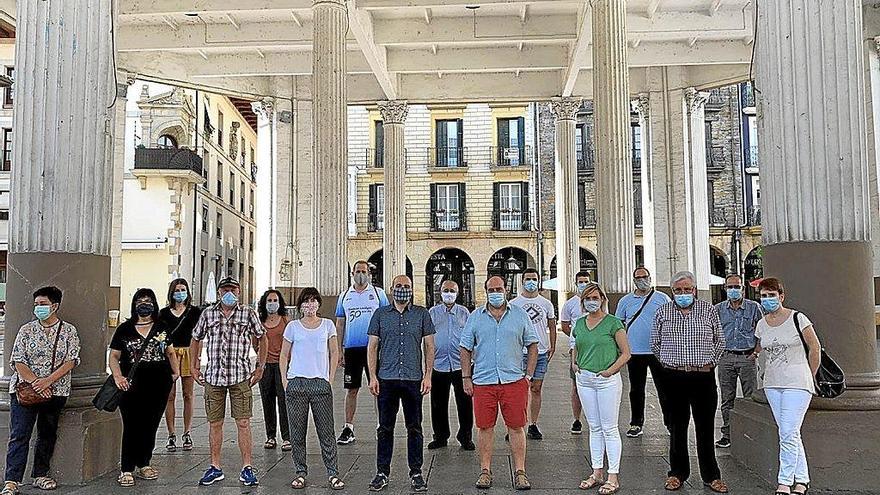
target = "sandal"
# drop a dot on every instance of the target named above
(10, 488)
(270, 444)
(672, 484)
(485, 480)
(45, 483)
(717, 486)
(609, 488)
(146, 473)
(591, 482)
(285, 446)
(125, 480)
(172, 443)
(336, 483)
(806, 488)
(298, 483)
(187, 441)
(521, 481)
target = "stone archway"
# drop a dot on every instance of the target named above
(376, 270)
(753, 269)
(508, 263)
(450, 264)
(719, 267)
(589, 263)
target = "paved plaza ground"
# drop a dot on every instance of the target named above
(555, 464)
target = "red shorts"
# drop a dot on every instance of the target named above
(513, 398)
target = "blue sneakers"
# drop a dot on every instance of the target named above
(211, 475)
(248, 476)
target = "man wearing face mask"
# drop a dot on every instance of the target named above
(449, 320)
(688, 340)
(739, 318)
(492, 370)
(229, 330)
(354, 309)
(394, 356)
(543, 317)
(571, 311)
(636, 310)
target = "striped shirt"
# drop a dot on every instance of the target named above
(228, 343)
(692, 339)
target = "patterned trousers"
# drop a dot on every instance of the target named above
(314, 393)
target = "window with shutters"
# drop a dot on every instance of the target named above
(378, 155)
(579, 146)
(241, 236)
(220, 129)
(219, 225)
(636, 134)
(7, 150)
(447, 209)
(449, 139)
(511, 206)
(232, 188)
(241, 197)
(511, 149)
(376, 220)
(219, 180)
(7, 92)
(205, 218)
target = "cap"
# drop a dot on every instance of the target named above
(227, 281)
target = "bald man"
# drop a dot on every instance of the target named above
(397, 335)
(449, 320)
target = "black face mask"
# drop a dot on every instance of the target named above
(144, 309)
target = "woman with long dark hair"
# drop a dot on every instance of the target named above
(143, 338)
(180, 316)
(273, 315)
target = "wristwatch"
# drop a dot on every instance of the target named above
(528, 377)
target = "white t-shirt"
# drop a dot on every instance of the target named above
(783, 362)
(571, 310)
(309, 351)
(540, 311)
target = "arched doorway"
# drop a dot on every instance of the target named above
(450, 264)
(509, 263)
(376, 270)
(718, 267)
(753, 270)
(589, 263)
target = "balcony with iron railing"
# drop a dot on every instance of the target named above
(752, 160)
(373, 158)
(721, 217)
(167, 159)
(509, 156)
(586, 218)
(747, 97)
(448, 220)
(510, 220)
(584, 157)
(447, 157)
(375, 222)
(753, 215)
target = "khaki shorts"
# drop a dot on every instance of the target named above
(240, 397)
(183, 358)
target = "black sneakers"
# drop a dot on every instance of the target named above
(576, 427)
(379, 483)
(346, 437)
(418, 483)
(724, 443)
(534, 433)
(634, 431)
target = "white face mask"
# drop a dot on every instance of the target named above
(361, 278)
(449, 297)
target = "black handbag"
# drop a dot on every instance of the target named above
(109, 395)
(830, 380)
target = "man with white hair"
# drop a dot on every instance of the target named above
(688, 340)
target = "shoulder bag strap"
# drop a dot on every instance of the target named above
(55, 346)
(797, 325)
(641, 308)
(143, 348)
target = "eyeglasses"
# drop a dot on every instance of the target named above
(733, 286)
(681, 291)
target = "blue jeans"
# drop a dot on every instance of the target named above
(21, 426)
(393, 393)
(540, 366)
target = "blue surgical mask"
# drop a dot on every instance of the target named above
(770, 304)
(180, 296)
(42, 312)
(229, 299)
(592, 306)
(734, 294)
(530, 285)
(684, 300)
(581, 286)
(496, 299)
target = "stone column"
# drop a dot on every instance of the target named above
(817, 228)
(264, 207)
(643, 106)
(567, 227)
(615, 224)
(61, 200)
(330, 149)
(119, 121)
(394, 232)
(872, 69)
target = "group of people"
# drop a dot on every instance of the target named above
(493, 358)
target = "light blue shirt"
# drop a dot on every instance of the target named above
(739, 324)
(357, 308)
(639, 331)
(449, 324)
(497, 345)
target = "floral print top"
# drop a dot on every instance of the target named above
(33, 348)
(129, 342)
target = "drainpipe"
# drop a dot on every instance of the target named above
(539, 224)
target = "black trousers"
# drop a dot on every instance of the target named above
(440, 383)
(637, 368)
(692, 392)
(272, 395)
(393, 393)
(22, 420)
(142, 408)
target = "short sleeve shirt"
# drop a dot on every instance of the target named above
(540, 311)
(309, 351)
(639, 332)
(400, 341)
(449, 323)
(783, 360)
(596, 348)
(182, 336)
(130, 343)
(571, 310)
(228, 343)
(357, 308)
(497, 345)
(33, 348)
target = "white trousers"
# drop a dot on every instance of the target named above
(789, 405)
(600, 398)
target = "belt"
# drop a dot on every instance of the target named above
(742, 353)
(701, 369)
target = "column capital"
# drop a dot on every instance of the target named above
(264, 108)
(330, 3)
(393, 111)
(695, 99)
(643, 104)
(565, 108)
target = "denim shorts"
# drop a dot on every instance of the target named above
(540, 367)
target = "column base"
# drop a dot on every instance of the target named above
(89, 443)
(835, 464)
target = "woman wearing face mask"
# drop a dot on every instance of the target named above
(599, 350)
(273, 315)
(180, 316)
(143, 338)
(788, 380)
(309, 357)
